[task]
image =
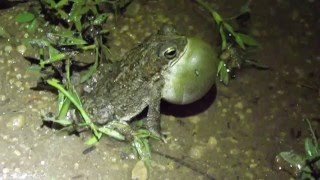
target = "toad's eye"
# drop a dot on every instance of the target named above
(168, 51)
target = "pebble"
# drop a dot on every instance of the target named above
(21, 49)
(212, 141)
(3, 97)
(139, 171)
(76, 166)
(16, 122)
(238, 105)
(241, 116)
(8, 49)
(253, 165)
(5, 170)
(196, 152)
(249, 111)
(195, 119)
(16, 152)
(234, 151)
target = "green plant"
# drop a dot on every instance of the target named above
(28, 18)
(82, 31)
(305, 166)
(227, 32)
(77, 14)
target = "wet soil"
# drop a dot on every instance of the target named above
(234, 132)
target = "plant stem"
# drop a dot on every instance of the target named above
(313, 135)
(55, 83)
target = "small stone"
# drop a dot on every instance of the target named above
(253, 165)
(172, 118)
(196, 152)
(195, 119)
(139, 171)
(16, 152)
(212, 141)
(238, 105)
(124, 28)
(5, 170)
(234, 151)
(8, 49)
(280, 92)
(21, 49)
(249, 111)
(26, 35)
(76, 166)
(16, 122)
(18, 84)
(117, 42)
(17, 170)
(241, 116)
(18, 76)
(249, 175)
(3, 98)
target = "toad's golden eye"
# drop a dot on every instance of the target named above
(168, 51)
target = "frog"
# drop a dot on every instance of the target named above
(165, 66)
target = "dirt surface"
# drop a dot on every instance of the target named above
(234, 132)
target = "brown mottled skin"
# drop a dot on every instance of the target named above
(122, 90)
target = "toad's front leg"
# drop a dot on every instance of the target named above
(153, 116)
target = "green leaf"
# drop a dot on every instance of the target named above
(39, 42)
(245, 8)
(141, 146)
(92, 140)
(70, 40)
(214, 14)
(52, 3)
(75, 15)
(66, 38)
(293, 159)
(53, 52)
(92, 69)
(216, 17)
(101, 19)
(223, 73)
(310, 148)
(221, 64)
(223, 38)
(33, 26)
(144, 134)
(61, 3)
(55, 83)
(63, 14)
(61, 100)
(239, 41)
(53, 59)
(234, 34)
(112, 133)
(34, 68)
(248, 40)
(63, 122)
(25, 16)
